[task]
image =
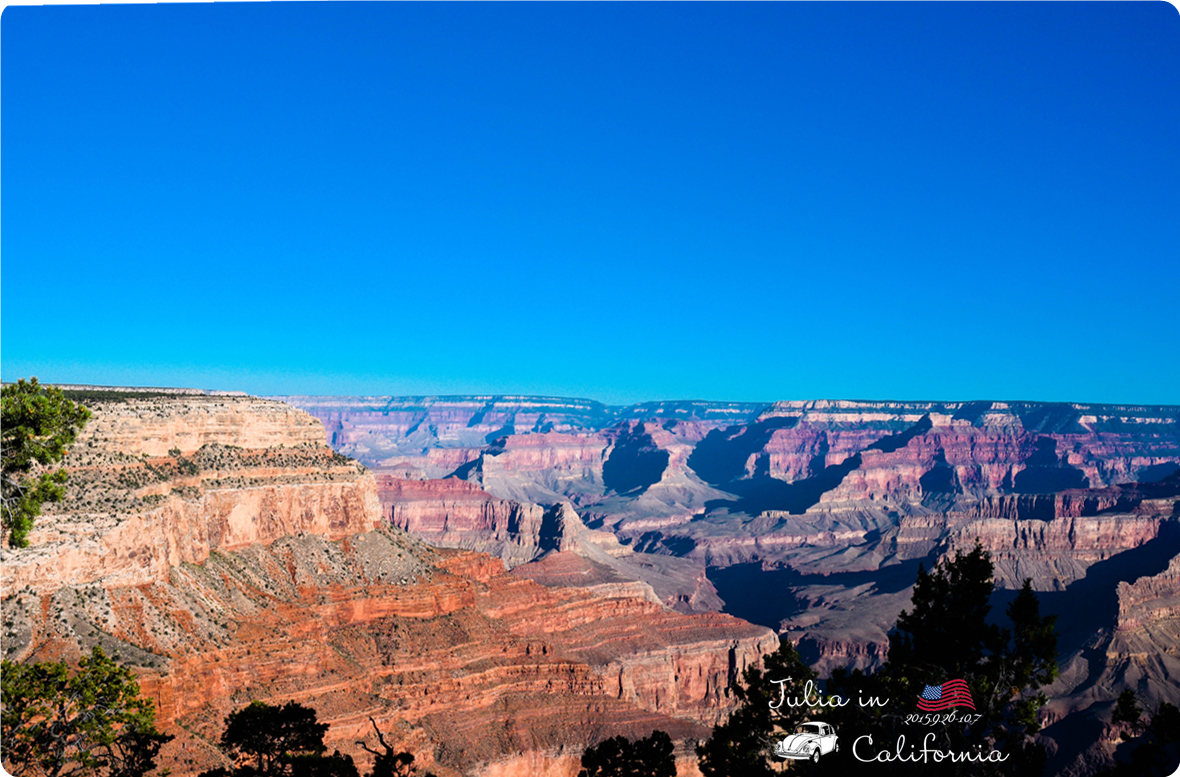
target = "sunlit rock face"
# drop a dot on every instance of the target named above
(158, 424)
(161, 481)
(820, 486)
(260, 565)
(813, 517)
(675, 470)
(410, 432)
(222, 547)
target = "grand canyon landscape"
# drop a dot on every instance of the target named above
(504, 383)
(499, 582)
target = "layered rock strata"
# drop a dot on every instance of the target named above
(1151, 600)
(831, 505)
(459, 514)
(158, 482)
(463, 662)
(827, 488)
(381, 430)
(229, 573)
(158, 424)
(701, 480)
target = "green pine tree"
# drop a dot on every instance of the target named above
(92, 722)
(38, 426)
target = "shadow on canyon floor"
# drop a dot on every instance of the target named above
(767, 597)
(1092, 603)
(634, 463)
(759, 494)
(1083, 609)
(1086, 608)
(723, 457)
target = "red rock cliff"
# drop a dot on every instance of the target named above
(226, 574)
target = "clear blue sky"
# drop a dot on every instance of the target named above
(616, 201)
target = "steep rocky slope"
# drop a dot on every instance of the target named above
(464, 663)
(812, 517)
(823, 488)
(229, 564)
(459, 514)
(161, 481)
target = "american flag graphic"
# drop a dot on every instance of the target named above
(952, 693)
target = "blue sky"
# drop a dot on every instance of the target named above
(611, 200)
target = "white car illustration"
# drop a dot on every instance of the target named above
(810, 740)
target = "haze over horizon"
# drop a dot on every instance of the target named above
(621, 202)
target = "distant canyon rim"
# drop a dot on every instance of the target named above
(502, 581)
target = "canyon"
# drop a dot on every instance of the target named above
(501, 581)
(813, 517)
(220, 548)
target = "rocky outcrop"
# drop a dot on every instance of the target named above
(564, 569)
(384, 430)
(845, 499)
(157, 424)
(138, 549)
(231, 573)
(1151, 602)
(462, 661)
(1130, 638)
(825, 653)
(990, 444)
(458, 514)
(1054, 539)
(1054, 553)
(838, 452)
(543, 467)
(208, 473)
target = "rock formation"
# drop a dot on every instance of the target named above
(812, 517)
(403, 431)
(158, 482)
(258, 566)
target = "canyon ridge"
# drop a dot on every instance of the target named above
(812, 518)
(501, 581)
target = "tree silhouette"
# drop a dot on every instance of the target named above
(651, 756)
(390, 763)
(946, 636)
(267, 739)
(743, 745)
(1154, 745)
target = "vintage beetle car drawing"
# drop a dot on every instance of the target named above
(810, 740)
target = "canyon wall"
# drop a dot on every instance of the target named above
(155, 425)
(162, 481)
(259, 565)
(459, 514)
(1152, 603)
(826, 488)
(813, 517)
(731, 484)
(393, 431)
(462, 662)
